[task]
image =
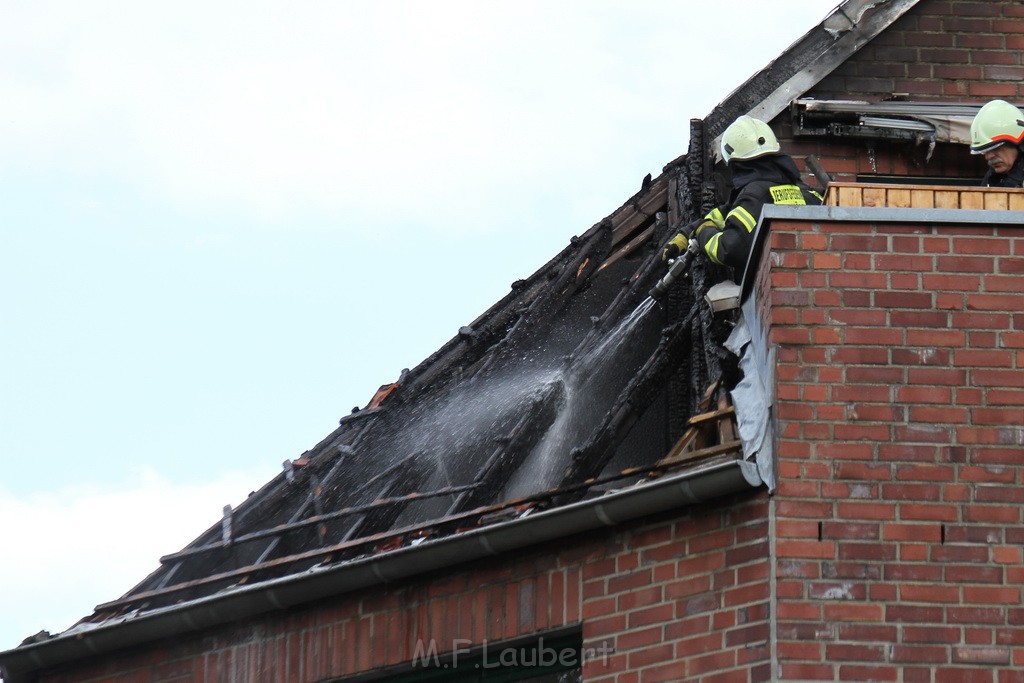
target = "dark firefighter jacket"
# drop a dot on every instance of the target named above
(727, 233)
(1012, 178)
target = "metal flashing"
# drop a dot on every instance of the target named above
(933, 121)
(891, 215)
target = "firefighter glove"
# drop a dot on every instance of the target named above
(675, 246)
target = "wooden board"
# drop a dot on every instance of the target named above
(924, 196)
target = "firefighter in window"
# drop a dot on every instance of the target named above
(998, 132)
(761, 174)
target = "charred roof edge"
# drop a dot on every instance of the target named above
(815, 55)
(615, 508)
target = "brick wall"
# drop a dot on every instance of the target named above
(900, 383)
(846, 162)
(683, 598)
(941, 50)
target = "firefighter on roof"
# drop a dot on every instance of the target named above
(761, 174)
(998, 132)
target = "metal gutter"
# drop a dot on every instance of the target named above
(618, 507)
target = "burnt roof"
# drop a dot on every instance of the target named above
(523, 410)
(572, 388)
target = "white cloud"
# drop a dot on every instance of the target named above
(70, 549)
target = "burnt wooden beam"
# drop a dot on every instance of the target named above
(637, 396)
(438, 527)
(434, 528)
(451, 522)
(520, 441)
(628, 248)
(293, 522)
(313, 499)
(320, 519)
(491, 327)
(675, 216)
(474, 340)
(575, 272)
(633, 292)
(379, 518)
(268, 501)
(639, 210)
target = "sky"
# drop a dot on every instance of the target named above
(223, 225)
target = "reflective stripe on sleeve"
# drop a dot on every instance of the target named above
(715, 216)
(711, 248)
(744, 217)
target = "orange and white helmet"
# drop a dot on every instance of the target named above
(997, 123)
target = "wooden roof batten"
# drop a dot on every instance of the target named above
(335, 553)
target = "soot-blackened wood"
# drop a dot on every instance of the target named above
(633, 292)
(477, 340)
(689, 375)
(380, 519)
(588, 461)
(327, 517)
(530, 326)
(313, 500)
(513, 448)
(276, 503)
(285, 565)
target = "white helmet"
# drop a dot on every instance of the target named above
(748, 138)
(996, 123)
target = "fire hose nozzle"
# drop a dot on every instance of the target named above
(677, 267)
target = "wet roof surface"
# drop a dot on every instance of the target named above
(555, 394)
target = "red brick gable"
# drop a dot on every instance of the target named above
(900, 397)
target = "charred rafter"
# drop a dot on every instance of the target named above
(436, 528)
(573, 275)
(513, 448)
(591, 458)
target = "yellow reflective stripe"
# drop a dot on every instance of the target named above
(715, 216)
(744, 217)
(786, 194)
(711, 248)
(818, 195)
(703, 226)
